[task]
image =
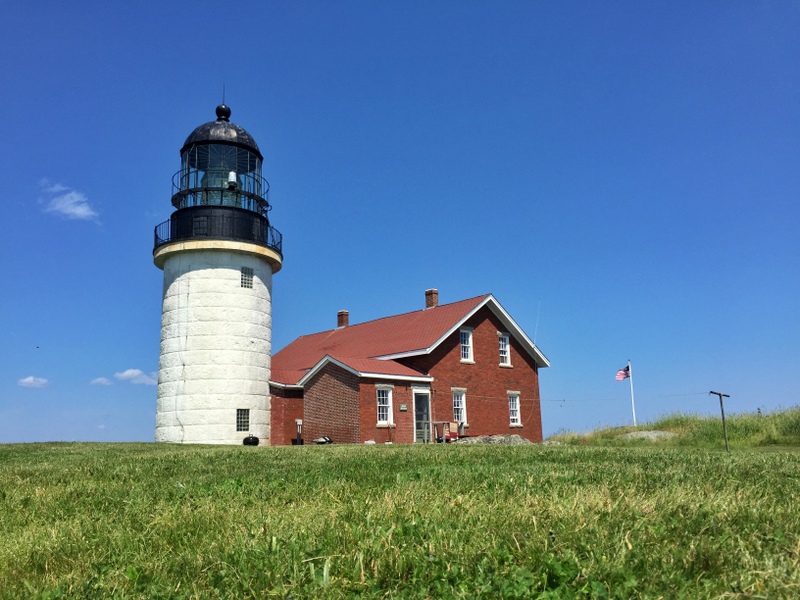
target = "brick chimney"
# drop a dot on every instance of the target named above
(342, 318)
(431, 298)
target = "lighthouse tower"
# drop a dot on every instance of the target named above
(218, 253)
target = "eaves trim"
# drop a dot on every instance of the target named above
(285, 386)
(328, 359)
(420, 379)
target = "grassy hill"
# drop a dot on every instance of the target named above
(745, 430)
(164, 521)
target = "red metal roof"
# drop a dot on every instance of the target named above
(384, 367)
(286, 376)
(407, 333)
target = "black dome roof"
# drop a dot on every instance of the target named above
(222, 131)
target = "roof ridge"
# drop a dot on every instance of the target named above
(410, 312)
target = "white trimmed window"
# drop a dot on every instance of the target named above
(242, 419)
(505, 349)
(247, 277)
(466, 345)
(513, 408)
(459, 405)
(384, 405)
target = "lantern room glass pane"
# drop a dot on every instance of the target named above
(223, 157)
(222, 175)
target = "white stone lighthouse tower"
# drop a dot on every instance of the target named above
(218, 253)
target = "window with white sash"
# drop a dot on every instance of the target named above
(513, 408)
(459, 405)
(384, 405)
(505, 349)
(466, 345)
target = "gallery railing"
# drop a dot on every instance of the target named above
(218, 222)
(222, 188)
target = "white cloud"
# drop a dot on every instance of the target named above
(137, 376)
(53, 188)
(32, 382)
(101, 426)
(101, 381)
(73, 205)
(67, 202)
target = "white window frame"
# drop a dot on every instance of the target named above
(385, 390)
(460, 395)
(242, 419)
(466, 346)
(504, 343)
(513, 398)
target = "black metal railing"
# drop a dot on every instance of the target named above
(221, 223)
(220, 187)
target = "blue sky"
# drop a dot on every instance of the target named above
(622, 176)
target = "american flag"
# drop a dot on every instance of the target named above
(623, 374)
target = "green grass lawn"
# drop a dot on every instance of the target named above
(164, 521)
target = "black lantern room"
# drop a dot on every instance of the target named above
(219, 192)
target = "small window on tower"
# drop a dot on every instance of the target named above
(247, 277)
(242, 419)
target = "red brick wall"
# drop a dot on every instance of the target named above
(486, 382)
(332, 406)
(286, 406)
(403, 430)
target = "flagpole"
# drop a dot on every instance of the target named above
(633, 405)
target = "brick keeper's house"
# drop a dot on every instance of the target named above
(392, 379)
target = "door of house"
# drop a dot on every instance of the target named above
(422, 417)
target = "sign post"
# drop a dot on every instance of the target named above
(722, 410)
